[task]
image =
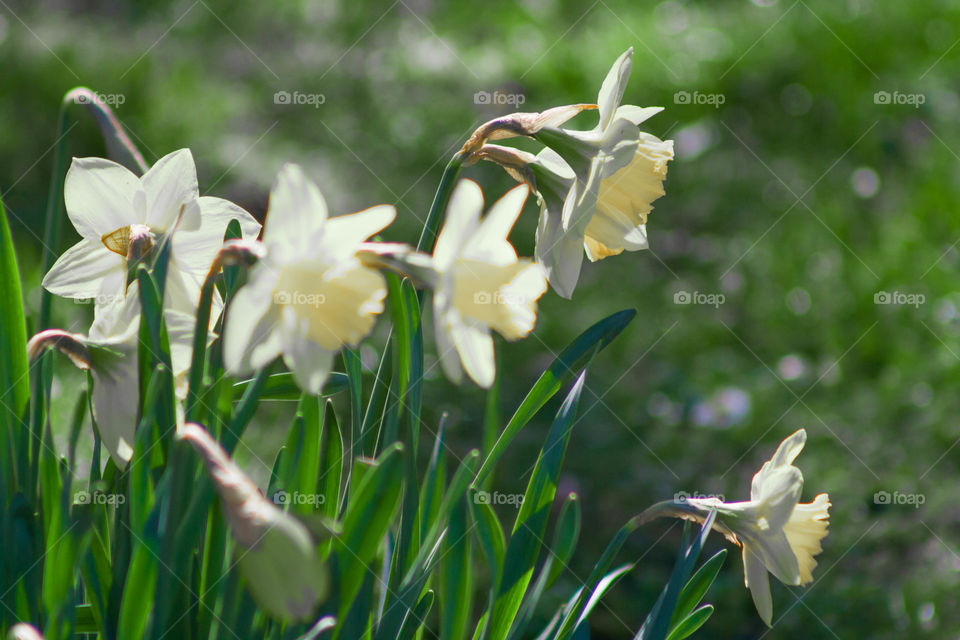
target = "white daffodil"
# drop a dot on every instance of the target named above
(278, 559)
(110, 353)
(480, 283)
(121, 217)
(778, 535)
(310, 295)
(602, 184)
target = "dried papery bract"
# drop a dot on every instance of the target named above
(519, 124)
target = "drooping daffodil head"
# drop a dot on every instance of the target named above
(595, 187)
(122, 218)
(109, 352)
(309, 296)
(481, 284)
(778, 534)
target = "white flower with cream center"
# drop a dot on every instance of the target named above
(121, 218)
(310, 295)
(481, 283)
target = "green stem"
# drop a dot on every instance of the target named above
(200, 344)
(51, 233)
(429, 234)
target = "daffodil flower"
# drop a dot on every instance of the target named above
(277, 555)
(310, 295)
(778, 535)
(109, 351)
(480, 282)
(601, 183)
(121, 218)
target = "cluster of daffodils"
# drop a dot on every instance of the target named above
(317, 284)
(778, 534)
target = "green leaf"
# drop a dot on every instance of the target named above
(456, 576)
(282, 386)
(330, 476)
(697, 587)
(14, 379)
(563, 367)
(368, 516)
(531, 523)
(417, 618)
(657, 623)
(691, 623)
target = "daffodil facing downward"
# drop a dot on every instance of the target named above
(778, 535)
(278, 557)
(309, 295)
(121, 218)
(481, 284)
(595, 187)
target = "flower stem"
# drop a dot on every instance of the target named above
(429, 234)
(51, 233)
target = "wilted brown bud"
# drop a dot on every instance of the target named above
(520, 124)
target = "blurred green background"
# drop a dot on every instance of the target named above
(799, 193)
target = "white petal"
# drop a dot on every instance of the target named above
(755, 577)
(560, 254)
(788, 450)
(180, 333)
(636, 115)
(611, 92)
(462, 218)
(80, 271)
(101, 196)
(344, 233)
(171, 190)
(779, 494)
(297, 211)
(310, 363)
(446, 349)
(115, 397)
(490, 243)
(195, 250)
(475, 346)
(251, 335)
